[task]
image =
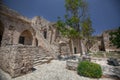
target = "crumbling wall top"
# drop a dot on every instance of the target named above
(4, 10)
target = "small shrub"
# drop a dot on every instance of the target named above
(89, 69)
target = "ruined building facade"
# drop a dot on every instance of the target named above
(25, 42)
(102, 43)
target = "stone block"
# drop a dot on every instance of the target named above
(72, 64)
(14, 61)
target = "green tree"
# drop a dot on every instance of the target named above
(115, 38)
(87, 31)
(77, 23)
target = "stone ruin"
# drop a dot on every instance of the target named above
(25, 42)
(102, 43)
(22, 44)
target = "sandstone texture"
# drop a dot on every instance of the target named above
(25, 43)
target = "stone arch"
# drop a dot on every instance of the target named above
(1, 32)
(26, 38)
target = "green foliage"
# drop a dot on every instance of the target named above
(69, 32)
(89, 69)
(76, 23)
(75, 12)
(87, 29)
(115, 38)
(75, 17)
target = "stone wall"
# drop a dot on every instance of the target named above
(102, 42)
(17, 59)
(108, 45)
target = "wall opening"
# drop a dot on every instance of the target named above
(1, 32)
(45, 34)
(26, 38)
(75, 50)
(21, 39)
(36, 42)
(101, 48)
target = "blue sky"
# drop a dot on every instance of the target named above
(105, 14)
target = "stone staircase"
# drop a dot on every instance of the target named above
(95, 47)
(42, 57)
(47, 45)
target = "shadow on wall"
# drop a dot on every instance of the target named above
(26, 38)
(1, 32)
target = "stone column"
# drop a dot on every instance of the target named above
(6, 37)
(83, 48)
(49, 35)
(34, 41)
(53, 36)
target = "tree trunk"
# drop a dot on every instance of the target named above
(81, 51)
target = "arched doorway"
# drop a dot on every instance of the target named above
(26, 38)
(1, 32)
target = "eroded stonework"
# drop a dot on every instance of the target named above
(17, 60)
(25, 42)
(22, 43)
(102, 43)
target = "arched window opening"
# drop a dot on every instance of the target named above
(45, 34)
(1, 32)
(26, 38)
(36, 42)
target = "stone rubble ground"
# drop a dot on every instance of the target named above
(55, 70)
(107, 69)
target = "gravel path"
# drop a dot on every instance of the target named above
(56, 70)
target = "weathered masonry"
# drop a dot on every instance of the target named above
(25, 42)
(102, 43)
(21, 45)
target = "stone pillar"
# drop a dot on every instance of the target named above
(72, 45)
(49, 35)
(34, 41)
(83, 48)
(6, 37)
(16, 36)
(53, 36)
